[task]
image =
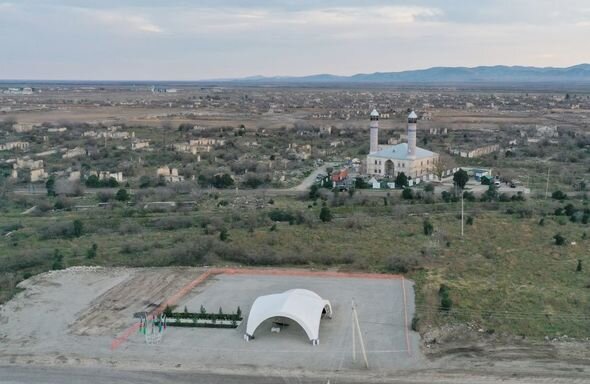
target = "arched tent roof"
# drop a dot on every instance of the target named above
(300, 305)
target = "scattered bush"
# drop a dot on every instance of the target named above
(559, 239)
(445, 300)
(172, 223)
(427, 227)
(122, 195)
(398, 264)
(407, 194)
(559, 195)
(325, 214)
(281, 215)
(91, 252)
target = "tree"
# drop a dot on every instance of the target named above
(325, 214)
(78, 228)
(223, 181)
(460, 178)
(401, 180)
(50, 186)
(93, 182)
(443, 164)
(314, 191)
(122, 195)
(579, 266)
(429, 187)
(111, 183)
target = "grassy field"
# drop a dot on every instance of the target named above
(506, 274)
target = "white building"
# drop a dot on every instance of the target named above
(22, 145)
(170, 175)
(106, 175)
(74, 152)
(140, 144)
(389, 161)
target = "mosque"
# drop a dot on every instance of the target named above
(388, 161)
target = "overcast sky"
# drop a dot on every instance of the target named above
(192, 40)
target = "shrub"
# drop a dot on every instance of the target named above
(78, 228)
(559, 195)
(415, 323)
(224, 234)
(559, 239)
(122, 195)
(57, 260)
(397, 264)
(59, 230)
(469, 196)
(407, 194)
(569, 209)
(91, 252)
(445, 300)
(172, 223)
(427, 227)
(281, 215)
(325, 214)
(469, 221)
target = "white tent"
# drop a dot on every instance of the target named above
(300, 305)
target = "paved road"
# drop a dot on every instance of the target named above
(70, 375)
(85, 375)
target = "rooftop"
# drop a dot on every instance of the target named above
(400, 152)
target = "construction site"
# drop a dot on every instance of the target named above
(92, 320)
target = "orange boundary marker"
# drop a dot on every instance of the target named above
(116, 343)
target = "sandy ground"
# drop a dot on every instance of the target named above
(69, 319)
(72, 316)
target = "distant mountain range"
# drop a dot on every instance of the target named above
(443, 75)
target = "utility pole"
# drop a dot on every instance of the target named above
(547, 184)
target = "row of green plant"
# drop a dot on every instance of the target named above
(234, 324)
(203, 314)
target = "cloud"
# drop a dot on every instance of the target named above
(121, 20)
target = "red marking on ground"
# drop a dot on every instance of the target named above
(116, 343)
(300, 272)
(169, 302)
